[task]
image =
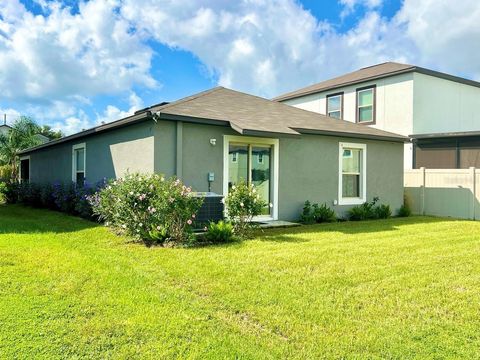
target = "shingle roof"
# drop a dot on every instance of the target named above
(246, 114)
(252, 115)
(366, 74)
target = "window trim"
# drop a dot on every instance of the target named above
(74, 162)
(341, 94)
(27, 157)
(227, 139)
(374, 105)
(363, 174)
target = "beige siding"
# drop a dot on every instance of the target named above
(444, 106)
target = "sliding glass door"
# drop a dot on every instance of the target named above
(252, 163)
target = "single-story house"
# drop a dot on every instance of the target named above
(218, 137)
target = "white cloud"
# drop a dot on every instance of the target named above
(62, 55)
(57, 62)
(11, 115)
(112, 113)
(350, 5)
(73, 124)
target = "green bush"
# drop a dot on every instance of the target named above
(243, 204)
(383, 211)
(405, 210)
(221, 232)
(316, 214)
(148, 207)
(68, 198)
(323, 213)
(6, 173)
(369, 211)
(3, 192)
(307, 213)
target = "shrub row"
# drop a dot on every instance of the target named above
(367, 211)
(67, 198)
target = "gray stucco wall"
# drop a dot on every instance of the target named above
(309, 171)
(108, 154)
(308, 166)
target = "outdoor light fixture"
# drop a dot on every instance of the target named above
(213, 142)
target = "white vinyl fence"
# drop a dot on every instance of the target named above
(444, 192)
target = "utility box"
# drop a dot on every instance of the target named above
(211, 209)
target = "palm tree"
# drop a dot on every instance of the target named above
(21, 136)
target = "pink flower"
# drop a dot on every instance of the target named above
(171, 200)
(159, 228)
(193, 216)
(205, 228)
(189, 222)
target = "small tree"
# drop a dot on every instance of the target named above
(243, 203)
(21, 136)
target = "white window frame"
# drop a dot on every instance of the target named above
(74, 161)
(27, 157)
(227, 139)
(363, 174)
(372, 89)
(328, 97)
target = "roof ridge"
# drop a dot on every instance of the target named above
(188, 98)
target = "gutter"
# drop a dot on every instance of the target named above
(399, 139)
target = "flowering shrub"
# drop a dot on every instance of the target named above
(148, 207)
(64, 197)
(243, 203)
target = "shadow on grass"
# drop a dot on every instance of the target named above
(347, 227)
(18, 219)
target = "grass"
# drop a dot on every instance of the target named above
(399, 288)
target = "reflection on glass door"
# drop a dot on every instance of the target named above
(251, 164)
(260, 165)
(237, 164)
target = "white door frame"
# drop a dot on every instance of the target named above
(227, 139)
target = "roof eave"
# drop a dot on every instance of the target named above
(101, 128)
(400, 139)
(348, 83)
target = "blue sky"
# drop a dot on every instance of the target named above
(75, 64)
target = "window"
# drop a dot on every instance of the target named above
(335, 105)
(352, 174)
(260, 158)
(234, 157)
(366, 105)
(25, 169)
(78, 164)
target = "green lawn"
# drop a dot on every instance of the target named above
(400, 288)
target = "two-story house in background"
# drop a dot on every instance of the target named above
(440, 112)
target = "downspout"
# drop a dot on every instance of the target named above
(179, 150)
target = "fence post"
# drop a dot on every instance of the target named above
(474, 190)
(422, 169)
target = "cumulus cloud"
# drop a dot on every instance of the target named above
(60, 55)
(112, 113)
(56, 62)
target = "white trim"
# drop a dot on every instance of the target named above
(27, 157)
(74, 162)
(365, 106)
(363, 174)
(227, 139)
